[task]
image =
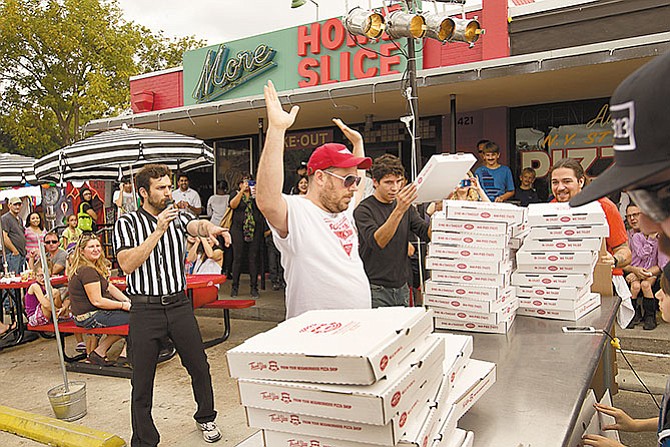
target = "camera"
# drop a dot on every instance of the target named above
(466, 182)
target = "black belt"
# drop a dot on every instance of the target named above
(165, 300)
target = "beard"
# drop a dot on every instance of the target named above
(158, 203)
(332, 201)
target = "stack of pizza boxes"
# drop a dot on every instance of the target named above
(470, 258)
(556, 261)
(359, 378)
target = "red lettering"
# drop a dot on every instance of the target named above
(359, 60)
(304, 70)
(311, 39)
(325, 71)
(345, 66)
(385, 63)
(332, 34)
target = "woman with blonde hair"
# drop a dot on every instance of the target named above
(96, 302)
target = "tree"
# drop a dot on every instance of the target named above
(65, 62)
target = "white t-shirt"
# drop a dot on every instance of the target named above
(323, 269)
(129, 203)
(190, 196)
(217, 206)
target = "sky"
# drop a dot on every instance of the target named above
(219, 21)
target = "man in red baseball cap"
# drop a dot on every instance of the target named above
(315, 233)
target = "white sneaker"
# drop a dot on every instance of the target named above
(210, 431)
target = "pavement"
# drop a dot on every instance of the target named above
(28, 371)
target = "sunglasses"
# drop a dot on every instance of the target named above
(50, 242)
(653, 202)
(348, 181)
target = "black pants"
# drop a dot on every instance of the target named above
(274, 262)
(251, 249)
(149, 325)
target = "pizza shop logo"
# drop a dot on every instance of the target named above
(462, 266)
(384, 362)
(221, 73)
(537, 303)
(565, 219)
(461, 315)
(468, 240)
(546, 281)
(485, 215)
(460, 291)
(321, 328)
(560, 245)
(552, 268)
(403, 419)
(470, 325)
(465, 253)
(395, 400)
(539, 292)
(467, 278)
(455, 304)
(553, 258)
(469, 226)
(569, 232)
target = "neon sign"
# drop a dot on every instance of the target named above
(220, 73)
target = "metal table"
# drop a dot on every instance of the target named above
(543, 375)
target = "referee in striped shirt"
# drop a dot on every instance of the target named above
(150, 248)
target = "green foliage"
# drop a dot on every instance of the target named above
(65, 62)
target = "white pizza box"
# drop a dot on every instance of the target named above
(442, 416)
(458, 349)
(562, 245)
(471, 278)
(439, 222)
(525, 256)
(569, 232)
(274, 438)
(456, 325)
(517, 241)
(550, 279)
(551, 304)
(468, 305)
(472, 253)
(478, 377)
(484, 318)
(560, 293)
(442, 174)
(371, 404)
(519, 229)
(353, 346)
(485, 211)
(466, 265)
(542, 267)
(562, 214)
(466, 291)
(592, 303)
(470, 240)
(387, 435)
(457, 438)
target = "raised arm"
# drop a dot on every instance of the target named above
(270, 177)
(359, 151)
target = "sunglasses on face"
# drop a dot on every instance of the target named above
(653, 202)
(50, 242)
(348, 181)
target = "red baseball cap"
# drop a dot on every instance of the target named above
(335, 155)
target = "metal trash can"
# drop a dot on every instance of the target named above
(68, 405)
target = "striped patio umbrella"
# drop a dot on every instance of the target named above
(115, 154)
(16, 170)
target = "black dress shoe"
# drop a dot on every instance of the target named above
(233, 292)
(254, 293)
(649, 323)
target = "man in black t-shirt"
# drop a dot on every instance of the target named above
(385, 221)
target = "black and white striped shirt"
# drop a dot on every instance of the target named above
(163, 272)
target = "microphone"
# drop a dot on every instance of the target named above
(180, 224)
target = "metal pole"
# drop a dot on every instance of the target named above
(414, 103)
(453, 122)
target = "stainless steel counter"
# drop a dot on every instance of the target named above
(542, 378)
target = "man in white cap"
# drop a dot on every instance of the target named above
(641, 126)
(13, 236)
(315, 233)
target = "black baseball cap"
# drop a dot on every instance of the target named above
(641, 126)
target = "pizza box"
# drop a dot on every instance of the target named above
(550, 279)
(549, 304)
(562, 214)
(472, 253)
(274, 438)
(458, 349)
(439, 222)
(516, 242)
(455, 325)
(469, 240)
(353, 346)
(441, 174)
(457, 438)
(484, 212)
(542, 267)
(592, 303)
(466, 291)
(478, 377)
(387, 435)
(467, 305)
(484, 318)
(471, 278)
(524, 256)
(466, 265)
(554, 293)
(519, 229)
(569, 232)
(371, 404)
(562, 245)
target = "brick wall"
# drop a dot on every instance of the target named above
(168, 89)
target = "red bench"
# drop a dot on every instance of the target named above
(225, 305)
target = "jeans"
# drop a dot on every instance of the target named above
(149, 325)
(104, 318)
(389, 296)
(15, 264)
(274, 261)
